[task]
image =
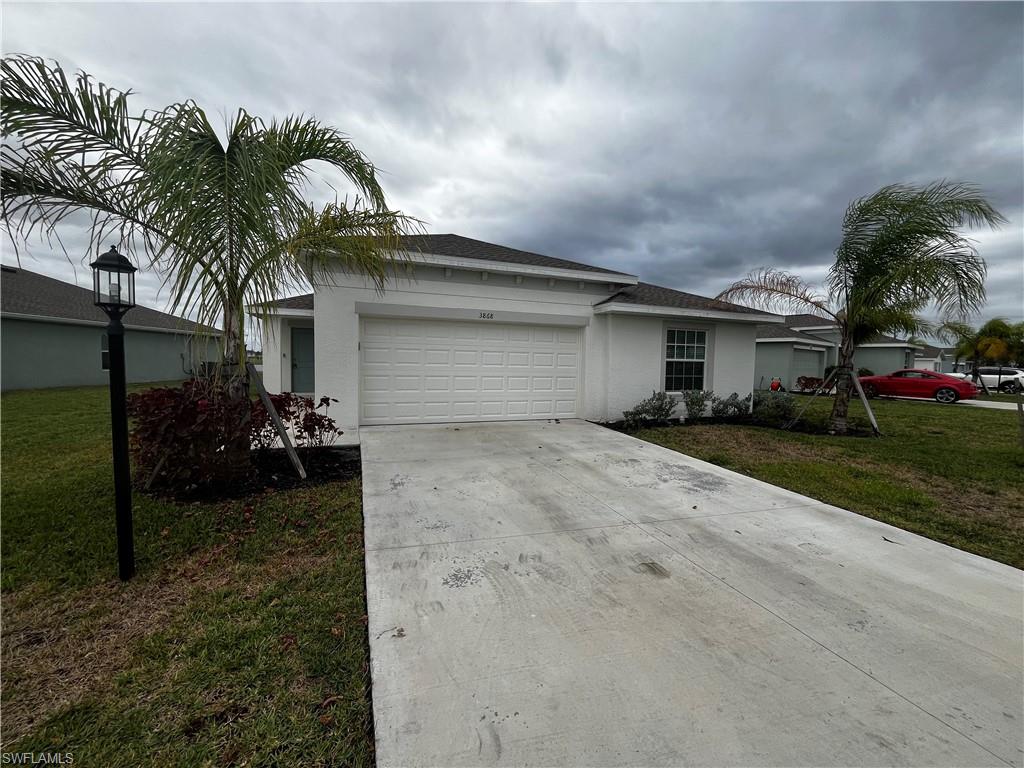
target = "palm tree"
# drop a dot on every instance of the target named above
(222, 218)
(996, 341)
(901, 250)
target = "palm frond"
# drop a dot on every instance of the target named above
(903, 242)
(777, 291)
(45, 110)
(224, 221)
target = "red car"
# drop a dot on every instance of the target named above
(917, 383)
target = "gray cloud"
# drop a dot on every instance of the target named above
(685, 143)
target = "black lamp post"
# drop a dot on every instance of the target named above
(113, 289)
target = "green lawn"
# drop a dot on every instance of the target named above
(954, 474)
(242, 640)
(1001, 397)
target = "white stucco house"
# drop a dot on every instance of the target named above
(472, 331)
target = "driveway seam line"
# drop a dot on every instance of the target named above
(817, 642)
(497, 538)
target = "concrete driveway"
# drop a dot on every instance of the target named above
(561, 594)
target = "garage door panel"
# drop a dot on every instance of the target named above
(492, 409)
(437, 410)
(374, 355)
(406, 356)
(417, 371)
(408, 330)
(565, 408)
(466, 408)
(376, 383)
(437, 383)
(542, 408)
(408, 384)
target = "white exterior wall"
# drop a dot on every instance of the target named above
(277, 351)
(622, 354)
(635, 362)
(636, 356)
(733, 365)
(463, 294)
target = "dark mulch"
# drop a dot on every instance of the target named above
(804, 426)
(273, 470)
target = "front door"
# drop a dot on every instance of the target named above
(302, 360)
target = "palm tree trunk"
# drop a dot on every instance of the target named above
(841, 405)
(237, 449)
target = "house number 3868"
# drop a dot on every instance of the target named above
(486, 315)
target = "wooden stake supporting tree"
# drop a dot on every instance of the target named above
(276, 418)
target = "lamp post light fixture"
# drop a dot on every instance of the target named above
(113, 288)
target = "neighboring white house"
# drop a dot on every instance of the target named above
(472, 331)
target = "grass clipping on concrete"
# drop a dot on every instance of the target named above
(952, 473)
(242, 640)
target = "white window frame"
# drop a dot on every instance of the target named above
(104, 352)
(666, 359)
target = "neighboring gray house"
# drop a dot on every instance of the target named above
(51, 335)
(939, 359)
(806, 344)
(788, 354)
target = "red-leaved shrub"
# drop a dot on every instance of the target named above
(179, 435)
(310, 428)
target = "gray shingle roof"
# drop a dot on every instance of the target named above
(808, 321)
(643, 294)
(881, 338)
(29, 293)
(930, 351)
(784, 332)
(295, 302)
(467, 248)
(656, 296)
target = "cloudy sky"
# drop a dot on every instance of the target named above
(684, 143)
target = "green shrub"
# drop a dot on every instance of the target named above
(730, 407)
(656, 409)
(696, 402)
(774, 408)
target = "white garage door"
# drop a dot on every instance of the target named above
(437, 371)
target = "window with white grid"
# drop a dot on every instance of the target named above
(685, 351)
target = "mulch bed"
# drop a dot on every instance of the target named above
(273, 470)
(815, 427)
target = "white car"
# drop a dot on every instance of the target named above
(995, 377)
